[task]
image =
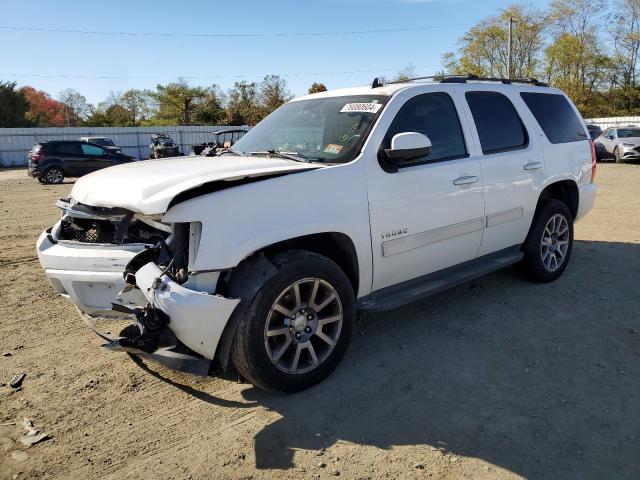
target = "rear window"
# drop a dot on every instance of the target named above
(499, 126)
(557, 119)
(68, 149)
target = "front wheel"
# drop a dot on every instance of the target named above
(298, 326)
(548, 245)
(617, 157)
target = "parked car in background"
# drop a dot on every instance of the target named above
(51, 162)
(163, 146)
(594, 131)
(104, 142)
(367, 197)
(619, 143)
(218, 140)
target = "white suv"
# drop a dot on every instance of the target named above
(363, 198)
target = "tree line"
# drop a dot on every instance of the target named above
(176, 103)
(587, 48)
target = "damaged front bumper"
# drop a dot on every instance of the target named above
(91, 275)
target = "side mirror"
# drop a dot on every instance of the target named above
(407, 147)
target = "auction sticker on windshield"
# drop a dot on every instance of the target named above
(361, 107)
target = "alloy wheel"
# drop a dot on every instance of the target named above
(555, 242)
(303, 325)
(53, 176)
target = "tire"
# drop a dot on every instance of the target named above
(540, 248)
(269, 360)
(53, 175)
(616, 156)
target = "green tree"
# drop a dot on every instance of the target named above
(625, 31)
(13, 106)
(138, 103)
(317, 88)
(77, 109)
(211, 110)
(484, 48)
(178, 103)
(273, 92)
(574, 61)
(243, 107)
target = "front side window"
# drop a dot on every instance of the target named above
(92, 149)
(434, 115)
(555, 116)
(499, 126)
(329, 129)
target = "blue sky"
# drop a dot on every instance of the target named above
(163, 59)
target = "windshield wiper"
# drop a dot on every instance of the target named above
(295, 156)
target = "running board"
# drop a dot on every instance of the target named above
(427, 285)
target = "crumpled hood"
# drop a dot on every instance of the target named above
(149, 186)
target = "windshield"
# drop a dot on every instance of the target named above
(628, 132)
(329, 129)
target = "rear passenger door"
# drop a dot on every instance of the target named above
(72, 158)
(512, 165)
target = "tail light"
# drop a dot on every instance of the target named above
(593, 160)
(36, 157)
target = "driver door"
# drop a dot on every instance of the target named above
(428, 215)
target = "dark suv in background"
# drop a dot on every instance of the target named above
(50, 162)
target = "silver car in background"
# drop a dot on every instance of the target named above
(621, 143)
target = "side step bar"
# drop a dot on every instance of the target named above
(422, 287)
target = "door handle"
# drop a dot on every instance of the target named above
(533, 166)
(465, 180)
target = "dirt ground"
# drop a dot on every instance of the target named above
(496, 379)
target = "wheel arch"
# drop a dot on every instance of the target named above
(55, 163)
(565, 191)
(245, 279)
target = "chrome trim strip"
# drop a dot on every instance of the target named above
(504, 217)
(422, 239)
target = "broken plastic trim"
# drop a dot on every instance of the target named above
(167, 358)
(196, 318)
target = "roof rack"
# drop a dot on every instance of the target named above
(463, 79)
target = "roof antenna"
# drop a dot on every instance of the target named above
(376, 83)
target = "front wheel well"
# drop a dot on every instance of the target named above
(336, 246)
(566, 191)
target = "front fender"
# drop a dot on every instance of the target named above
(241, 220)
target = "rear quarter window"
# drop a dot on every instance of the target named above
(555, 116)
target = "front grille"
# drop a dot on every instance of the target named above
(107, 231)
(96, 231)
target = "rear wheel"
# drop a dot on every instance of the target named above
(298, 326)
(548, 246)
(53, 175)
(616, 155)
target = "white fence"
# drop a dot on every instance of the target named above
(15, 143)
(613, 121)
